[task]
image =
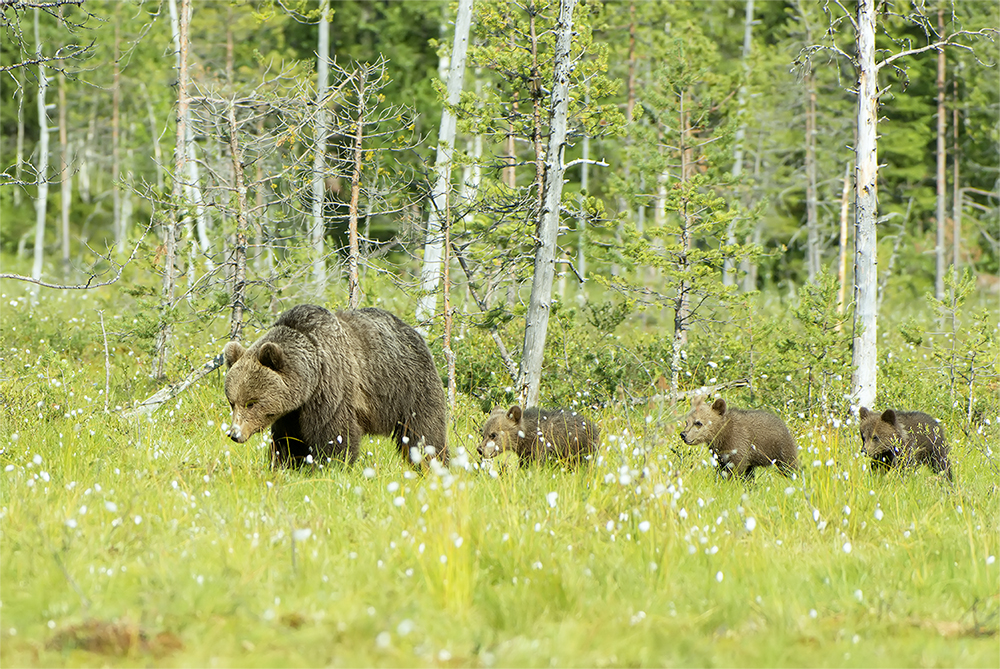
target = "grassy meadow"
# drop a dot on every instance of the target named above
(160, 542)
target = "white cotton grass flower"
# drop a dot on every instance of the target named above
(878, 514)
(719, 576)
(750, 523)
(383, 640)
(302, 534)
(551, 499)
(644, 526)
(847, 547)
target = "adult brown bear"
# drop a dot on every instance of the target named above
(322, 380)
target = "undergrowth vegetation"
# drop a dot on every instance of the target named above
(158, 541)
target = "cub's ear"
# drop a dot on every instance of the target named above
(889, 416)
(863, 413)
(719, 406)
(233, 352)
(515, 413)
(270, 355)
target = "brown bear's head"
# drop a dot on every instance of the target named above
(501, 431)
(704, 421)
(256, 387)
(882, 435)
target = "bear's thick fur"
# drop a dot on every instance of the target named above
(322, 380)
(904, 439)
(538, 435)
(741, 439)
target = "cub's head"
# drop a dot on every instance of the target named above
(882, 435)
(501, 431)
(704, 420)
(256, 387)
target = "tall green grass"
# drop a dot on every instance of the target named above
(161, 542)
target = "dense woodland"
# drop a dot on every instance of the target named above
(213, 158)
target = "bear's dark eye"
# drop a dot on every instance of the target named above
(250, 405)
(874, 437)
(698, 423)
(493, 436)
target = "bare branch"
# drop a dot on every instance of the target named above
(985, 32)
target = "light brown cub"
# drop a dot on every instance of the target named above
(740, 439)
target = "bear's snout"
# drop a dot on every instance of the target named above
(488, 449)
(236, 434)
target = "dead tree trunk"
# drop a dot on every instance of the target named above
(317, 231)
(240, 247)
(942, 166)
(866, 212)
(536, 325)
(430, 273)
(42, 174)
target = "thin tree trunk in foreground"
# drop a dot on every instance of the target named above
(240, 250)
(65, 178)
(536, 325)
(866, 213)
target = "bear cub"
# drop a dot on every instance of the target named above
(740, 439)
(323, 380)
(903, 439)
(537, 435)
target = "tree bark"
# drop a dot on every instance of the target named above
(812, 204)
(317, 231)
(942, 165)
(116, 195)
(430, 274)
(19, 147)
(240, 249)
(42, 174)
(728, 268)
(865, 359)
(956, 191)
(536, 325)
(65, 178)
(845, 204)
(172, 225)
(353, 287)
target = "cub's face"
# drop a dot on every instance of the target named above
(703, 422)
(500, 431)
(255, 388)
(881, 439)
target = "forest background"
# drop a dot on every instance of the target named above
(173, 197)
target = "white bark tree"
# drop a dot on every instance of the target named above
(728, 268)
(536, 325)
(430, 274)
(42, 172)
(317, 232)
(942, 164)
(865, 361)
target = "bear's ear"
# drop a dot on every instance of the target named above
(232, 352)
(863, 413)
(889, 416)
(719, 406)
(271, 356)
(515, 413)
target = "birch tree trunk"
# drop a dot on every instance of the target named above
(536, 325)
(956, 191)
(812, 205)
(845, 204)
(116, 195)
(19, 150)
(430, 274)
(172, 225)
(65, 178)
(866, 213)
(42, 178)
(728, 268)
(317, 231)
(942, 164)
